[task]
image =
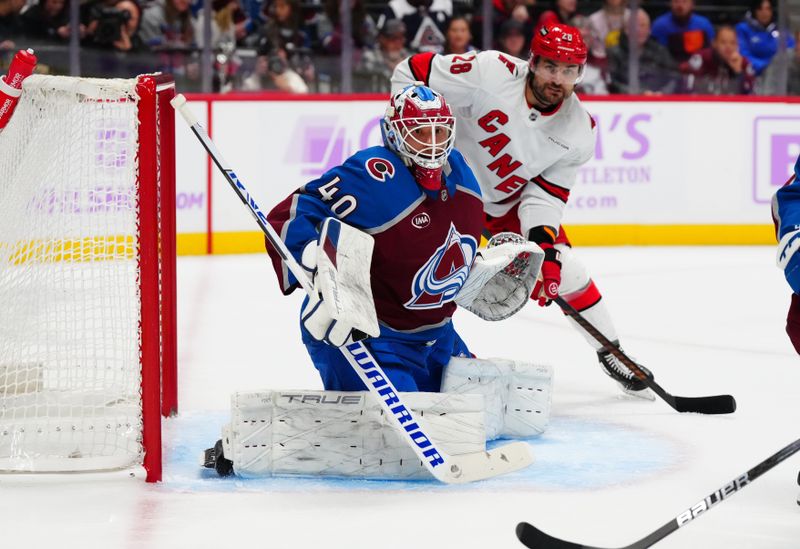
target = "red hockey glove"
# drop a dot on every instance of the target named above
(546, 288)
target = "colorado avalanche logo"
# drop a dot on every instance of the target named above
(380, 169)
(440, 279)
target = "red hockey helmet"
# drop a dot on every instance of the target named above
(559, 43)
(413, 112)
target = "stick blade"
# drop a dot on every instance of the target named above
(492, 463)
(719, 404)
(532, 537)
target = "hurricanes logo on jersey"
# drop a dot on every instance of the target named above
(440, 279)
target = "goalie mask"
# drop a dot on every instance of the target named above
(420, 128)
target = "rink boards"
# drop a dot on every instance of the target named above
(665, 171)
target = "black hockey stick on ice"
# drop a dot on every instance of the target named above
(444, 467)
(717, 404)
(534, 538)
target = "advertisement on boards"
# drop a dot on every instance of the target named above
(656, 163)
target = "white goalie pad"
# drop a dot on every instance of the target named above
(344, 257)
(502, 277)
(343, 434)
(517, 395)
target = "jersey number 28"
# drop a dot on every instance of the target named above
(465, 64)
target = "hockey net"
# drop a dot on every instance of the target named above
(87, 275)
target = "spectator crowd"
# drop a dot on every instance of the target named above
(295, 46)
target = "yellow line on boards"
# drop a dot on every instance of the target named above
(580, 235)
(191, 243)
(670, 235)
(238, 242)
(242, 242)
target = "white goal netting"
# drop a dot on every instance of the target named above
(70, 382)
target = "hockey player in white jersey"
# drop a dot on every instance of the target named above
(526, 134)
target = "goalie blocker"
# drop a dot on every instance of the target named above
(345, 434)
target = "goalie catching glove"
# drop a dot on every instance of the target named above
(502, 277)
(341, 309)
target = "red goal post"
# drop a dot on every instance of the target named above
(87, 275)
(157, 262)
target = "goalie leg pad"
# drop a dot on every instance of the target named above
(517, 395)
(343, 434)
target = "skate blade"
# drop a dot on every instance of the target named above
(644, 394)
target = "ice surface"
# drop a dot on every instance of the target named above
(609, 470)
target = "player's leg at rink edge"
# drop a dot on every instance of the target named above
(580, 291)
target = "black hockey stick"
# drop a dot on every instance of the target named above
(534, 538)
(717, 404)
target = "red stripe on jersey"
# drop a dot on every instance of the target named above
(278, 217)
(551, 188)
(793, 322)
(512, 197)
(591, 119)
(585, 298)
(420, 65)
(775, 222)
(330, 251)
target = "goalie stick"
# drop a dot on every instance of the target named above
(534, 538)
(445, 468)
(716, 404)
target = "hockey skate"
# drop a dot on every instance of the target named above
(214, 458)
(629, 383)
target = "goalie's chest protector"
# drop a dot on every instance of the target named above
(425, 242)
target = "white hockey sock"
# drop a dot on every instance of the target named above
(581, 292)
(598, 315)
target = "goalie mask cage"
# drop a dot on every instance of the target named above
(87, 275)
